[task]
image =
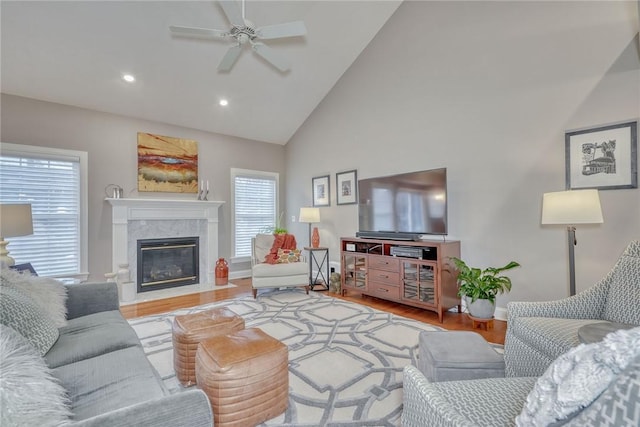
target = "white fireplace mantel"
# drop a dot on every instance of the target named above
(126, 210)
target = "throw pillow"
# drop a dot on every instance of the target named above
(21, 313)
(30, 395)
(578, 377)
(49, 294)
(286, 256)
(281, 241)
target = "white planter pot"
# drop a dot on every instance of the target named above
(480, 308)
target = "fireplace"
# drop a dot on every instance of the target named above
(167, 263)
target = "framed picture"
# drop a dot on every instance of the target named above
(604, 157)
(320, 190)
(347, 187)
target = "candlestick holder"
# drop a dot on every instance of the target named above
(206, 193)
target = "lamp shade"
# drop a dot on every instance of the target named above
(15, 220)
(309, 215)
(571, 207)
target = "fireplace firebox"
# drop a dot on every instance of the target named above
(167, 263)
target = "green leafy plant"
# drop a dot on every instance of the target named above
(476, 283)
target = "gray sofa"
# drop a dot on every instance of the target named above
(101, 364)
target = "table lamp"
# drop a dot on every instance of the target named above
(310, 215)
(15, 220)
(571, 208)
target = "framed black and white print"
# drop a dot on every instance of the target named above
(320, 191)
(604, 157)
(347, 187)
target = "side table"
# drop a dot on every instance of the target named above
(318, 258)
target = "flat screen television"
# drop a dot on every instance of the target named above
(404, 206)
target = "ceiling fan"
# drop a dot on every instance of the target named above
(242, 32)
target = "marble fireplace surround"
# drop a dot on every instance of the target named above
(134, 219)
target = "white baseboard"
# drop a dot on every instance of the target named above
(240, 274)
(501, 313)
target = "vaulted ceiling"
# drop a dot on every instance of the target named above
(75, 53)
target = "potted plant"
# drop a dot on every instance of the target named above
(279, 228)
(479, 287)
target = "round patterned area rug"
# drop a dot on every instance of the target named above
(345, 359)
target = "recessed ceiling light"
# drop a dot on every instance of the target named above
(128, 78)
(224, 102)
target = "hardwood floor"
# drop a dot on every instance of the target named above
(452, 321)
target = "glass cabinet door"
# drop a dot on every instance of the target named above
(418, 281)
(354, 271)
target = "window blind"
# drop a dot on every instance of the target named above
(255, 205)
(51, 184)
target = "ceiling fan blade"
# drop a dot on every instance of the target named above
(193, 31)
(289, 29)
(271, 56)
(233, 12)
(230, 58)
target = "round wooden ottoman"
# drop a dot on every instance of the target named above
(189, 330)
(246, 376)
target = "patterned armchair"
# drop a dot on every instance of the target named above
(498, 401)
(538, 332)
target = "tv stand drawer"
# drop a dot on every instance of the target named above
(384, 263)
(383, 290)
(388, 277)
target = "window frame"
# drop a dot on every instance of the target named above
(237, 172)
(82, 157)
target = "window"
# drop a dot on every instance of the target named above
(54, 182)
(255, 204)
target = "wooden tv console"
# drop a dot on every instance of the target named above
(369, 268)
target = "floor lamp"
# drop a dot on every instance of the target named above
(571, 208)
(310, 215)
(15, 220)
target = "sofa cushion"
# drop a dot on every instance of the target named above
(280, 270)
(89, 336)
(109, 382)
(287, 256)
(48, 294)
(20, 312)
(29, 394)
(575, 379)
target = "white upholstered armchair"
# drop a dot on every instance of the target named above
(265, 275)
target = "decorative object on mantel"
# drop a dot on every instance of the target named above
(347, 188)
(167, 164)
(114, 191)
(222, 272)
(204, 192)
(604, 157)
(311, 215)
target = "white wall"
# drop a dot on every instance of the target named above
(111, 142)
(487, 90)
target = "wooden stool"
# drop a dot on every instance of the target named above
(245, 375)
(478, 323)
(191, 329)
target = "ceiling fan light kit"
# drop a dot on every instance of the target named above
(244, 31)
